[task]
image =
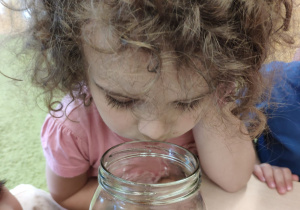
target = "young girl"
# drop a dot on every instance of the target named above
(185, 72)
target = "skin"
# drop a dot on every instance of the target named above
(8, 201)
(225, 150)
(279, 178)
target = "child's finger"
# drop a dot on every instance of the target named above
(268, 174)
(287, 173)
(279, 176)
(259, 173)
(295, 178)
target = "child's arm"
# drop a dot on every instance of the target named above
(71, 193)
(276, 177)
(226, 153)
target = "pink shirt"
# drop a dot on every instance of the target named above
(74, 144)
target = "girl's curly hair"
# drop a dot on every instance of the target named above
(230, 38)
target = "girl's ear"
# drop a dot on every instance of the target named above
(225, 93)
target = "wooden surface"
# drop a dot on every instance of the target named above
(256, 196)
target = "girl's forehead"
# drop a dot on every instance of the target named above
(129, 69)
(128, 72)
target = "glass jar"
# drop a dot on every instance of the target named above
(144, 175)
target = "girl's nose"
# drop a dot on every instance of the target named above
(153, 129)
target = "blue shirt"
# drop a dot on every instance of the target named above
(281, 145)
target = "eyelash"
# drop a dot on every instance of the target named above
(187, 106)
(114, 103)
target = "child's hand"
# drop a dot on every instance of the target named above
(275, 177)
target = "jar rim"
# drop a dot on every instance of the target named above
(197, 169)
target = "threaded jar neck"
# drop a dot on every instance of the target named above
(149, 172)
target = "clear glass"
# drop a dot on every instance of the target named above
(148, 175)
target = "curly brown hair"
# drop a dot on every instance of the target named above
(231, 39)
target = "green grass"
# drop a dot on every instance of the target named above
(21, 118)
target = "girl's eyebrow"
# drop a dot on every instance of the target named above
(192, 99)
(132, 97)
(113, 93)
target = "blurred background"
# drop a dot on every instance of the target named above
(22, 112)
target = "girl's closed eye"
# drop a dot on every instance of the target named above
(187, 106)
(120, 102)
(127, 103)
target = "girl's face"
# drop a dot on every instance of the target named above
(135, 107)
